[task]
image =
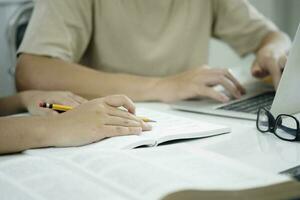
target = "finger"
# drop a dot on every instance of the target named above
(43, 111)
(68, 102)
(121, 130)
(229, 86)
(49, 112)
(220, 77)
(257, 71)
(121, 113)
(119, 121)
(211, 93)
(77, 98)
(146, 126)
(275, 71)
(282, 61)
(238, 85)
(63, 100)
(120, 100)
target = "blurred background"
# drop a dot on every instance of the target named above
(14, 15)
(284, 13)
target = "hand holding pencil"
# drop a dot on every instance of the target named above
(95, 120)
(62, 108)
(111, 105)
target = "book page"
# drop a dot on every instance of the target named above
(32, 177)
(125, 142)
(11, 190)
(170, 127)
(148, 173)
(167, 127)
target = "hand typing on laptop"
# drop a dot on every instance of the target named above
(271, 58)
(200, 82)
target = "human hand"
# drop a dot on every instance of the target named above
(270, 60)
(96, 120)
(199, 82)
(32, 99)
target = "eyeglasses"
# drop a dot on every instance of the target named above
(286, 127)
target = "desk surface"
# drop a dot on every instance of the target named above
(244, 143)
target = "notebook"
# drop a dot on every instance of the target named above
(166, 128)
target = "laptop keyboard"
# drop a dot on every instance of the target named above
(251, 105)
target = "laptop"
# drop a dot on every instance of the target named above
(285, 100)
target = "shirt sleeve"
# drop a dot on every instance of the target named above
(240, 25)
(59, 28)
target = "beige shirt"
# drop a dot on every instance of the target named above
(143, 37)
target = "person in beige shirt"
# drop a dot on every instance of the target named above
(148, 50)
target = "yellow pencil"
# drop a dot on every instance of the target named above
(62, 108)
(146, 119)
(57, 107)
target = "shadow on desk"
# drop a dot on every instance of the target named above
(287, 191)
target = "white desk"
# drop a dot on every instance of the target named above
(244, 143)
(90, 174)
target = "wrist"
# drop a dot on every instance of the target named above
(165, 89)
(153, 90)
(275, 42)
(40, 132)
(52, 130)
(270, 51)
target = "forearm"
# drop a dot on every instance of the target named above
(54, 74)
(11, 105)
(276, 41)
(21, 133)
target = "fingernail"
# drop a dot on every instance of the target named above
(137, 123)
(225, 99)
(148, 126)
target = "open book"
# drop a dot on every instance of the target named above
(147, 173)
(287, 190)
(166, 128)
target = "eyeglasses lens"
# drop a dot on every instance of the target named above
(286, 128)
(263, 120)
